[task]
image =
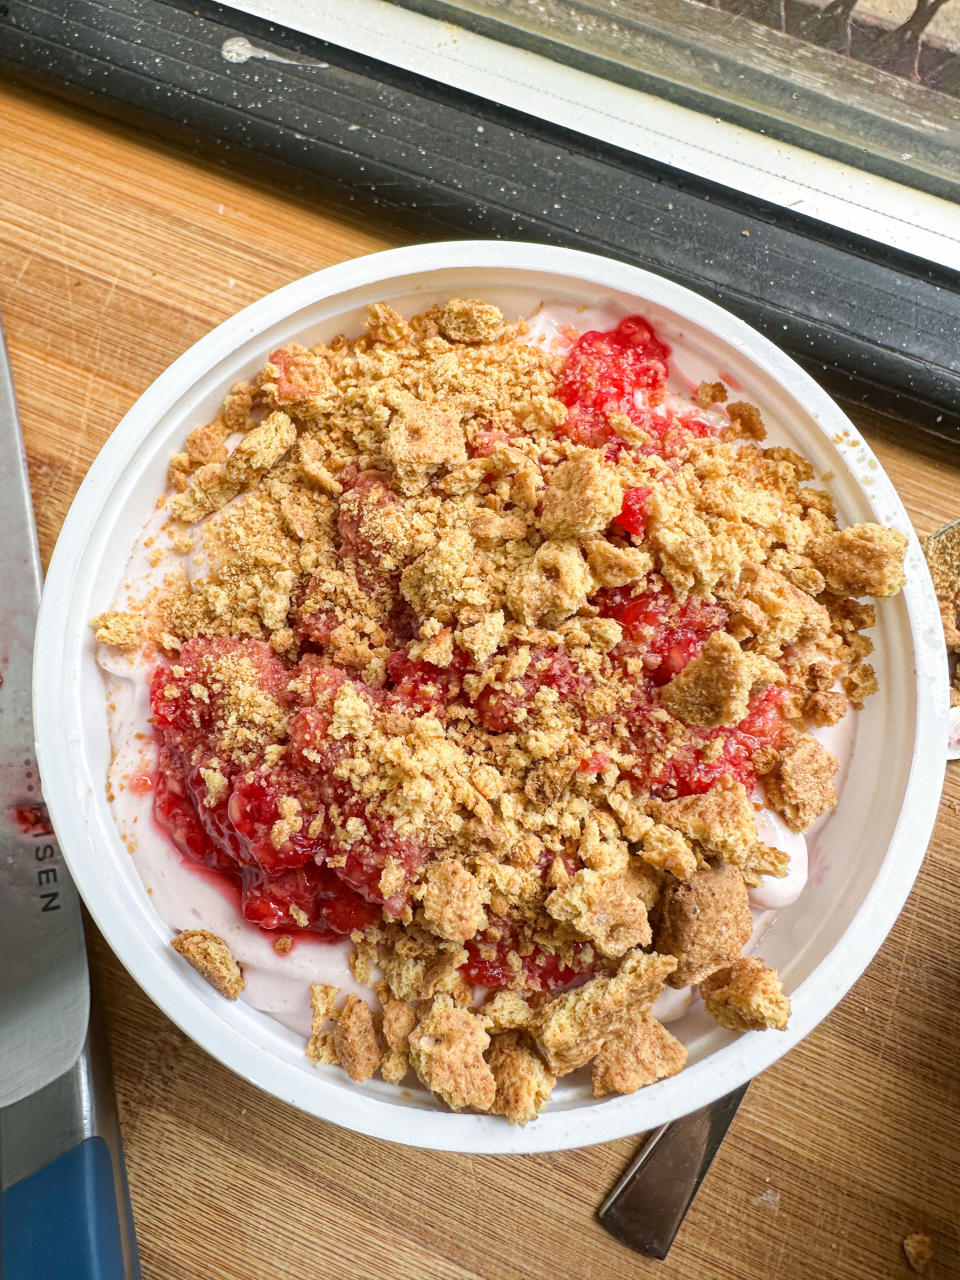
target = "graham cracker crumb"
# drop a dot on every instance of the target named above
(800, 787)
(452, 905)
(313, 468)
(355, 1039)
(709, 393)
(320, 1047)
(722, 819)
(470, 320)
(715, 688)
(399, 1019)
(212, 959)
(705, 923)
(639, 1054)
(507, 1011)
(572, 1028)
(746, 996)
(523, 1083)
(615, 566)
(582, 496)
(862, 560)
(553, 584)
(767, 609)
(122, 630)
(665, 849)
(216, 484)
(602, 908)
(422, 438)
(746, 420)
(446, 1050)
(430, 617)
(824, 708)
(918, 1250)
(482, 639)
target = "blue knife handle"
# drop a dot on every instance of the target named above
(62, 1222)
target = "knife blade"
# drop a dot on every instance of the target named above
(44, 986)
(60, 1144)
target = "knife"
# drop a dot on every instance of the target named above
(64, 1205)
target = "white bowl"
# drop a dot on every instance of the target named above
(870, 849)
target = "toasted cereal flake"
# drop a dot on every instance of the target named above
(602, 908)
(800, 787)
(524, 1084)
(212, 959)
(642, 1052)
(705, 923)
(120, 629)
(746, 996)
(446, 1050)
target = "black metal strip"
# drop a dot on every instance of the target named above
(872, 323)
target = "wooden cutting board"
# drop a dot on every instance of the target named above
(116, 253)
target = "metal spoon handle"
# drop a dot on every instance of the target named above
(646, 1207)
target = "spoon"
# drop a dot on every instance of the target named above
(649, 1202)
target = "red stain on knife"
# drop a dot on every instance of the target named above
(32, 819)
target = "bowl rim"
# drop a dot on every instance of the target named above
(189, 1005)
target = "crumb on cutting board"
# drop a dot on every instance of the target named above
(918, 1249)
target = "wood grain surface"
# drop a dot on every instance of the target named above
(116, 253)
